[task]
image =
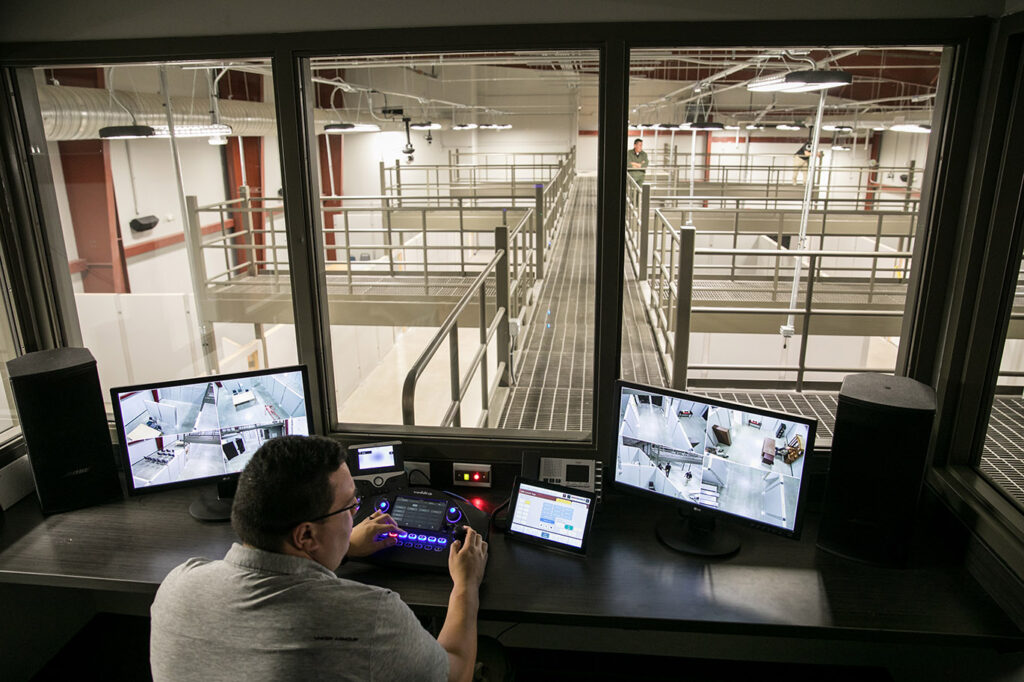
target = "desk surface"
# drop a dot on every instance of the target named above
(774, 586)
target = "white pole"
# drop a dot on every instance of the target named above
(787, 329)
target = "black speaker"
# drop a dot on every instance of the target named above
(57, 393)
(879, 448)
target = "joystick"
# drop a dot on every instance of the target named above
(459, 535)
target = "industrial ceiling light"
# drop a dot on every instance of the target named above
(789, 126)
(341, 128)
(910, 128)
(495, 126)
(840, 148)
(838, 128)
(200, 130)
(755, 126)
(703, 124)
(425, 125)
(464, 126)
(669, 126)
(123, 132)
(801, 81)
(732, 127)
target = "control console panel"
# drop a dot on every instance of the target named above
(429, 519)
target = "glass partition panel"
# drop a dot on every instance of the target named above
(772, 206)
(9, 427)
(1002, 458)
(459, 206)
(168, 185)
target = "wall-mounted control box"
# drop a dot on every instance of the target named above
(475, 475)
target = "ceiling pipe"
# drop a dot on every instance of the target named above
(71, 113)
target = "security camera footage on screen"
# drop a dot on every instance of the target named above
(722, 458)
(208, 428)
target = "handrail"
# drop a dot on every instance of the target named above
(449, 328)
(673, 271)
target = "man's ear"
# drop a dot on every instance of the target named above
(303, 537)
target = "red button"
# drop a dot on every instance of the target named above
(476, 477)
(392, 535)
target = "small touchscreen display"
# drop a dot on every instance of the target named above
(412, 512)
(376, 457)
(551, 515)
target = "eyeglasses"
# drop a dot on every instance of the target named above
(354, 507)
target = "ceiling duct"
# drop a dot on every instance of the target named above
(71, 113)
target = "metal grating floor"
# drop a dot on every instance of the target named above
(1002, 457)
(821, 406)
(639, 360)
(554, 376)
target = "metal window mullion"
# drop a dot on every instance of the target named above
(304, 226)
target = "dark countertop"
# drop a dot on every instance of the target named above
(774, 586)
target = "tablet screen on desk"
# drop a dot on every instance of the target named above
(551, 515)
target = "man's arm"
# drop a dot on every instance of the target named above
(466, 562)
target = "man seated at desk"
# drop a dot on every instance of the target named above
(273, 608)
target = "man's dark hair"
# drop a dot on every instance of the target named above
(639, 139)
(285, 483)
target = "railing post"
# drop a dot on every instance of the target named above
(684, 302)
(194, 249)
(645, 226)
(383, 180)
(453, 361)
(462, 240)
(501, 301)
(484, 403)
(398, 180)
(426, 277)
(539, 215)
(910, 185)
(243, 193)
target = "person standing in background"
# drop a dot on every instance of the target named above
(636, 161)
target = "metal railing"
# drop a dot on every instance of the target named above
(480, 183)
(382, 235)
(459, 386)
(674, 266)
(778, 177)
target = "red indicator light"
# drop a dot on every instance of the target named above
(478, 503)
(476, 476)
(393, 535)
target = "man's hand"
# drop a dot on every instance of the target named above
(364, 540)
(636, 164)
(467, 559)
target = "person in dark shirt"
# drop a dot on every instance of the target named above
(636, 161)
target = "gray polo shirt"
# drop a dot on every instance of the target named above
(259, 615)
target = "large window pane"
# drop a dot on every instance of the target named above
(8, 350)
(461, 188)
(785, 266)
(175, 242)
(1002, 459)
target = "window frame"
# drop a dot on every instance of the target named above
(290, 54)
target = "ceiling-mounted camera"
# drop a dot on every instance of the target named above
(408, 149)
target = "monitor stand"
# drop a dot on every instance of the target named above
(209, 508)
(696, 534)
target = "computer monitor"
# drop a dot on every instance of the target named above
(712, 459)
(196, 431)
